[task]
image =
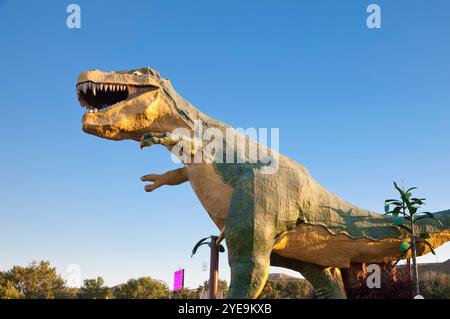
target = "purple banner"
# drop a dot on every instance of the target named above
(178, 280)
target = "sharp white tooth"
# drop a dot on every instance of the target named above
(94, 91)
(95, 110)
(84, 87)
(110, 87)
(101, 87)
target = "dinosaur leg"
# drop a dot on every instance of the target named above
(327, 281)
(249, 240)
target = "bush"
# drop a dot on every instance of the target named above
(285, 289)
(435, 285)
(390, 290)
(142, 288)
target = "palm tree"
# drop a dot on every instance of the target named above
(406, 214)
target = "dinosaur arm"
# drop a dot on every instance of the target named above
(174, 177)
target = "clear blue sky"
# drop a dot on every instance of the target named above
(358, 107)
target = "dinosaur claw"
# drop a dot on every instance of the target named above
(149, 139)
(145, 143)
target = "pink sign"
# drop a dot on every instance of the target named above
(178, 280)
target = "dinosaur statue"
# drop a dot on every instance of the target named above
(284, 218)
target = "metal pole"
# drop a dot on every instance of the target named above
(413, 249)
(214, 268)
(408, 269)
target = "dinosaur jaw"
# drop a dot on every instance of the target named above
(117, 104)
(128, 119)
(100, 97)
(123, 105)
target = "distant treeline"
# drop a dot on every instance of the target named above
(41, 281)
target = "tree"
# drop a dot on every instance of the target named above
(94, 289)
(184, 294)
(271, 290)
(7, 289)
(292, 289)
(222, 288)
(68, 293)
(142, 288)
(435, 285)
(37, 281)
(297, 289)
(406, 215)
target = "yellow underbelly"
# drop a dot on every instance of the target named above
(315, 244)
(211, 190)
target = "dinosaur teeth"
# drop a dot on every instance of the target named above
(84, 87)
(100, 97)
(95, 87)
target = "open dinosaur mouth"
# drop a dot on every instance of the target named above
(99, 97)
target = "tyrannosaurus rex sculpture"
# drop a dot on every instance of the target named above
(284, 218)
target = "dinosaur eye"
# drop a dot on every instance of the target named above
(138, 74)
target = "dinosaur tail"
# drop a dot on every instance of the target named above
(438, 228)
(444, 218)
